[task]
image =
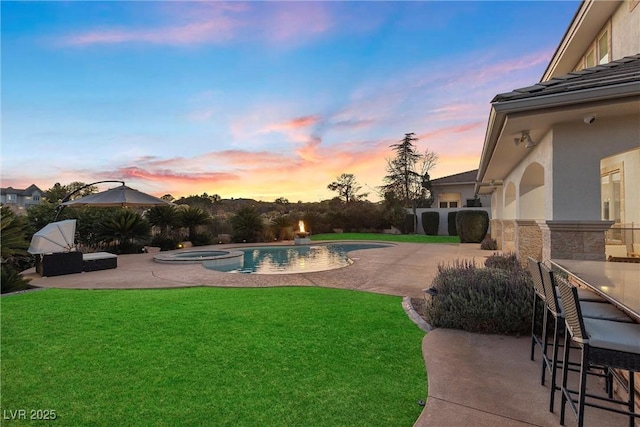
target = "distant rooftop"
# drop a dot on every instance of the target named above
(459, 178)
(21, 192)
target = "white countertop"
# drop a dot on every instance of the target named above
(619, 282)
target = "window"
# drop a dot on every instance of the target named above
(590, 59)
(448, 204)
(603, 48)
(598, 52)
(449, 200)
(11, 198)
(611, 182)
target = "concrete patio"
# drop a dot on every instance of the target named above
(473, 379)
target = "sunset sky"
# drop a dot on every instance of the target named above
(257, 99)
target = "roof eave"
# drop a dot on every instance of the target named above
(595, 94)
(500, 110)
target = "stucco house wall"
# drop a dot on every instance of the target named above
(625, 34)
(466, 191)
(578, 151)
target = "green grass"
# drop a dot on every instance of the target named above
(212, 356)
(404, 238)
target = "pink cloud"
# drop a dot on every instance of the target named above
(169, 175)
(448, 130)
(216, 22)
(216, 30)
(290, 20)
(293, 124)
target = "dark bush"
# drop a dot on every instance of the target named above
(11, 280)
(164, 243)
(504, 262)
(409, 224)
(247, 225)
(201, 239)
(482, 300)
(430, 223)
(489, 244)
(451, 223)
(472, 225)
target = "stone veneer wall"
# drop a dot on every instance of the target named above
(580, 240)
(496, 231)
(508, 235)
(528, 238)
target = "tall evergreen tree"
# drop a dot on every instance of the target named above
(407, 178)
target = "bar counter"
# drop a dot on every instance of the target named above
(618, 282)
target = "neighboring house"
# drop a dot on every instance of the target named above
(458, 190)
(18, 199)
(561, 158)
(451, 194)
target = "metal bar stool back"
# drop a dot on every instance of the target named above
(538, 316)
(602, 342)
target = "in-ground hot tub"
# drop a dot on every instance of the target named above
(221, 259)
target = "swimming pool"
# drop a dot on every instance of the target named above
(291, 259)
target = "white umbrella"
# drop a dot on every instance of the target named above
(122, 196)
(54, 237)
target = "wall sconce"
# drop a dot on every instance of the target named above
(525, 137)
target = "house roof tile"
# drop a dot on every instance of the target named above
(624, 70)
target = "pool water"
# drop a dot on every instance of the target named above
(293, 259)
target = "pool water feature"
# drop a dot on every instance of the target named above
(292, 259)
(223, 259)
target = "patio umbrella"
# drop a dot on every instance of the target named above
(122, 196)
(54, 237)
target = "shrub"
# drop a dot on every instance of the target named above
(504, 262)
(451, 223)
(164, 243)
(430, 223)
(11, 280)
(489, 244)
(247, 225)
(483, 300)
(123, 228)
(201, 239)
(409, 224)
(472, 225)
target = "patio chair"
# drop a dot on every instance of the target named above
(555, 308)
(538, 316)
(604, 343)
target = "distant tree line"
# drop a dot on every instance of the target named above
(208, 219)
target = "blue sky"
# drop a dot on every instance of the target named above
(257, 99)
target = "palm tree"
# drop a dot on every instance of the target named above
(192, 217)
(164, 217)
(13, 244)
(283, 227)
(247, 225)
(13, 240)
(124, 226)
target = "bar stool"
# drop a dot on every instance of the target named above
(594, 310)
(604, 343)
(538, 296)
(537, 316)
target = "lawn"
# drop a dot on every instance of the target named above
(212, 356)
(403, 238)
